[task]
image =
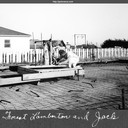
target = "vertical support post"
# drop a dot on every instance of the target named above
(51, 50)
(87, 54)
(35, 52)
(5, 58)
(83, 51)
(75, 42)
(41, 54)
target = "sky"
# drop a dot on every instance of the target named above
(98, 22)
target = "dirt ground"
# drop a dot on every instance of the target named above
(109, 79)
(101, 88)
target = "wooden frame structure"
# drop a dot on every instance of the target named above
(28, 74)
(36, 73)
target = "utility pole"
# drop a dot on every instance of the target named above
(75, 42)
(41, 58)
(51, 50)
(34, 48)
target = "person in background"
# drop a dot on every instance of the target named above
(68, 57)
(63, 58)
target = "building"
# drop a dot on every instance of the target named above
(39, 43)
(13, 41)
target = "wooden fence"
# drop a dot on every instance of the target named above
(84, 54)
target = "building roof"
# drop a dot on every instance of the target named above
(9, 32)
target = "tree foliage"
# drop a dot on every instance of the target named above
(113, 43)
(85, 46)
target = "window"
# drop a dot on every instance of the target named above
(7, 44)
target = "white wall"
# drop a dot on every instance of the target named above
(18, 44)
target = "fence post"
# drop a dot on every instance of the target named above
(97, 53)
(29, 57)
(84, 54)
(107, 53)
(115, 52)
(87, 53)
(79, 52)
(121, 52)
(24, 57)
(102, 53)
(127, 52)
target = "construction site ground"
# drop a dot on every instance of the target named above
(100, 88)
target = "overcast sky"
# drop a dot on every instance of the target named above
(98, 21)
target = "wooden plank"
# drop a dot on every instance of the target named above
(23, 70)
(55, 70)
(14, 68)
(14, 80)
(46, 75)
(10, 75)
(50, 70)
(45, 66)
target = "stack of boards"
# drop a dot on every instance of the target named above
(25, 74)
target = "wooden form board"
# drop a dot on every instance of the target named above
(22, 69)
(78, 71)
(52, 73)
(35, 77)
(45, 66)
(14, 80)
(48, 73)
(45, 75)
(26, 75)
(54, 70)
(41, 69)
(33, 69)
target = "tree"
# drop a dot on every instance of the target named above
(85, 46)
(113, 43)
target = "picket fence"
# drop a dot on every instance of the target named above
(84, 54)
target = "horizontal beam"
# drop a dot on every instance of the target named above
(54, 70)
(31, 75)
(46, 75)
(10, 75)
(45, 66)
(78, 71)
(13, 81)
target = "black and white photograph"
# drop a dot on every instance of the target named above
(63, 56)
